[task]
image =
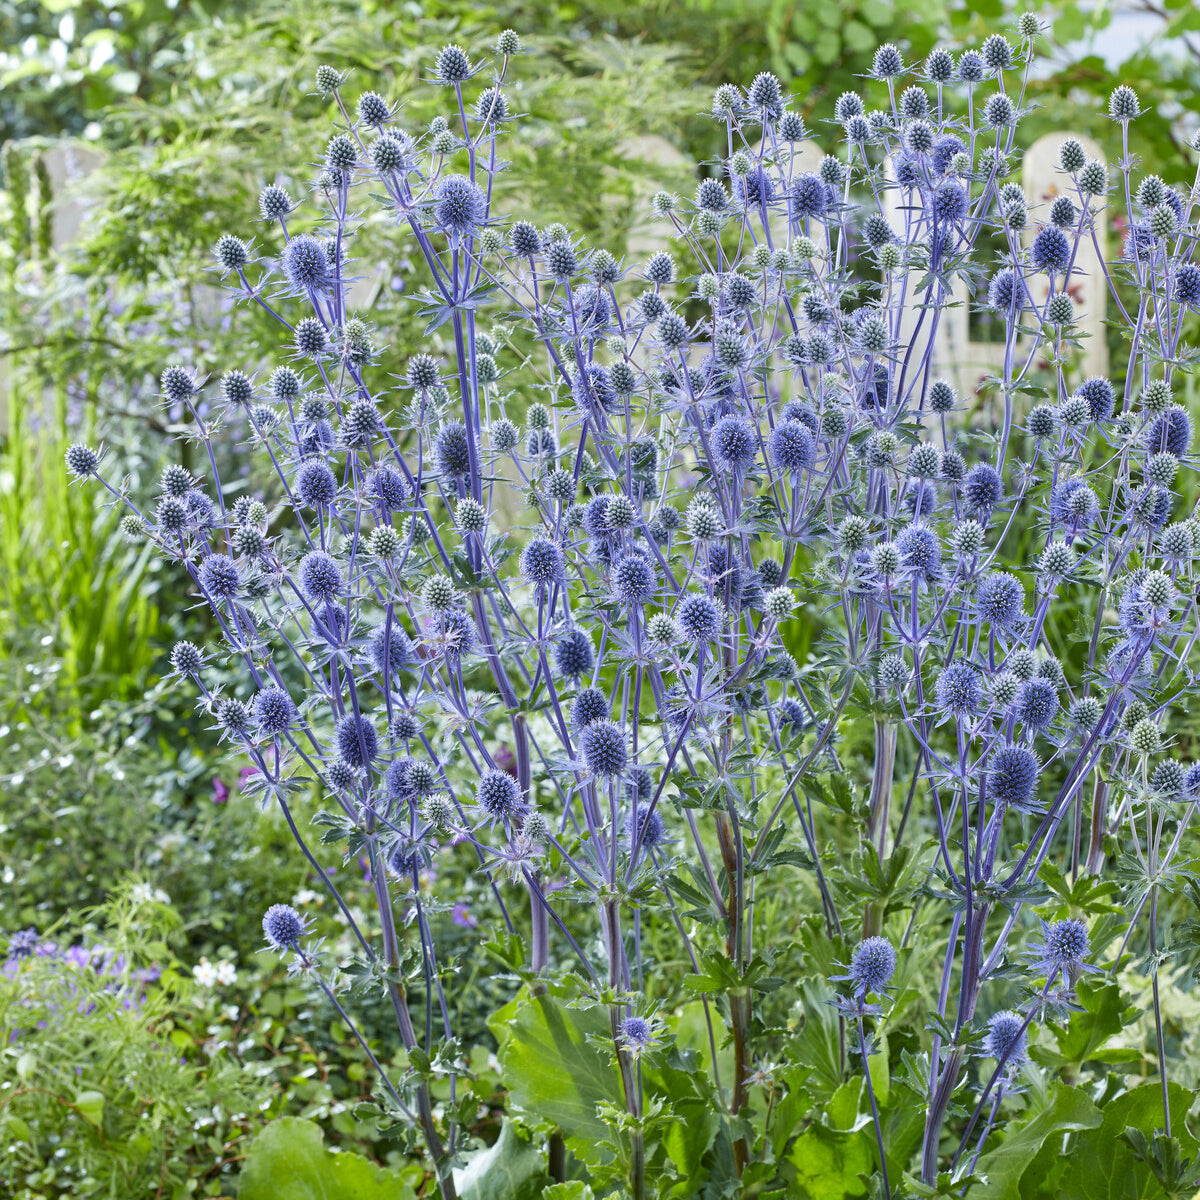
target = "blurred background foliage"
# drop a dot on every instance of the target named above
(180, 113)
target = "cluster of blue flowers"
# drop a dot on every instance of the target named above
(751, 418)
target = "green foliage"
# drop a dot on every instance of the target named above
(512, 1169)
(288, 1160)
(1066, 1110)
(100, 1093)
(199, 111)
(67, 579)
(554, 1070)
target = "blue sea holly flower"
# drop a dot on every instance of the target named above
(1036, 704)
(604, 747)
(959, 691)
(283, 927)
(792, 446)
(1000, 601)
(872, 966)
(653, 828)
(499, 796)
(460, 206)
(1013, 778)
(542, 562)
(1062, 951)
(1005, 1039)
(590, 704)
(573, 655)
(636, 1034)
(357, 741)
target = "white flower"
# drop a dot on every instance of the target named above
(204, 973)
(226, 973)
(305, 896)
(144, 893)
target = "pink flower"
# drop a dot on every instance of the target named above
(220, 791)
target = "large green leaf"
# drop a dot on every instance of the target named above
(289, 1161)
(1068, 1110)
(1103, 1015)
(512, 1169)
(1108, 1168)
(688, 1137)
(551, 1069)
(833, 1156)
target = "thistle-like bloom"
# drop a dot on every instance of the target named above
(452, 450)
(390, 648)
(699, 618)
(1051, 250)
(573, 656)
(634, 579)
(1001, 600)
(1005, 1039)
(306, 264)
(357, 741)
(982, 489)
(809, 197)
(542, 562)
(1098, 393)
(283, 927)
(734, 442)
(320, 576)
(872, 966)
(959, 691)
(636, 1034)
(590, 704)
(792, 446)
(274, 711)
(219, 576)
(920, 552)
(653, 828)
(1013, 777)
(604, 748)
(1170, 432)
(499, 796)
(1037, 704)
(1064, 947)
(460, 207)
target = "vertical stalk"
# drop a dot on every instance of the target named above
(399, 999)
(610, 915)
(879, 807)
(739, 1002)
(1095, 858)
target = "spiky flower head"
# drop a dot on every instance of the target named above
(452, 66)
(573, 656)
(959, 691)
(499, 795)
(1123, 104)
(888, 62)
(1145, 737)
(699, 618)
(1085, 713)
(1014, 773)
(283, 927)
(872, 965)
(186, 659)
(1005, 1039)
(590, 704)
(604, 747)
